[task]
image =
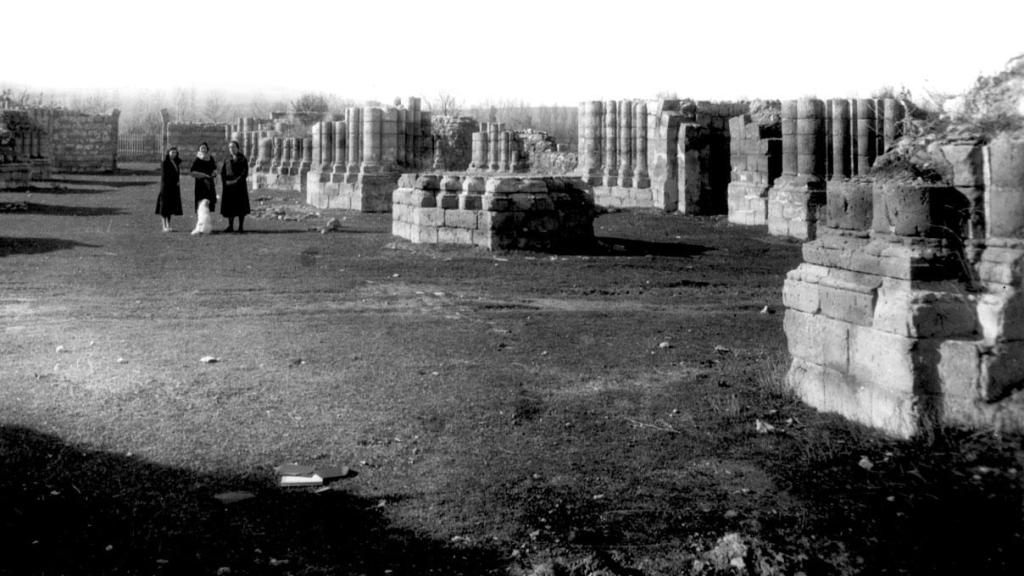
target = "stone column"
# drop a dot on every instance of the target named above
(789, 147)
(810, 140)
(580, 140)
(326, 160)
(373, 120)
(340, 130)
(866, 135)
(354, 121)
(892, 131)
(480, 149)
(641, 177)
(840, 139)
(265, 154)
(626, 143)
(389, 138)
(493, 146)
(503, 151)
(411, 126)
(400, 158)
(306, 147)
(593, 146)
(611, 156)
(277, 154)
(316, 130)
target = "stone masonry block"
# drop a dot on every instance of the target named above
(428, 217)
(460, 219)
(1002, 370)
(447, 200)
(491, 203)
(881, 359)
(454, 236)
(924, 314)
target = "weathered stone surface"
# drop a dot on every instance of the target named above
(849, 205)
(910, 209)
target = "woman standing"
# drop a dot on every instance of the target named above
(204, 169)
(235, 198)
(168, 203)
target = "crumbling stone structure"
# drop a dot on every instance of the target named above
(667, 154)
(822, 143)
(908, 311)
(755, 146)
(453, 142)
(355, 163)
(15, 169)
(497, 213)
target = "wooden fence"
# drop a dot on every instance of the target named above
(138, 146)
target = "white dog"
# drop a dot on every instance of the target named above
(204, 222)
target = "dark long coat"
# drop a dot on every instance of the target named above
(205, 187)
(235, 198)
(168, 203)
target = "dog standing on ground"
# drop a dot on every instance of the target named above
(204, 222)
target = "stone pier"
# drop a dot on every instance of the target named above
(497, 213)
(370, 149)
(672, 155)
(755, 147)
(796, 196)
(907, 312)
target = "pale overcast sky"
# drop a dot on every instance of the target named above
(538, 51)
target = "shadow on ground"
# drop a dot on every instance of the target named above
(58, 210)
(10, 246)
(66, 509)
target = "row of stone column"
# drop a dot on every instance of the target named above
(372, 140)
(279, 155)
(495, 149)
(613, 142)
(838, 138)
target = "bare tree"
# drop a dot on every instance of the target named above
(446, 105)
(185, 104)
(310, 107)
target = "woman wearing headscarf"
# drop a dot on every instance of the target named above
(235, 198)
(168, 203)
(204, 169)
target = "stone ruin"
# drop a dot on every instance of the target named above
(669, 154)
(16, 128)
(35, 142)
(908, 311)
(497, 150)
(355, 163)
(547, 213)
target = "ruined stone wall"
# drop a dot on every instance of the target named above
(78, 142)
(907, 312)
(453, 142)
(497, 213)
(755, 146)
(187, 136)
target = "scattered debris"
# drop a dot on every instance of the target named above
(332, 225)
(766, 310)
(121, 361)
(729, 552)
(209, 359)
(763, 427)
(865, 463)
(296, 362)
(722, 349)
(61, 350)
(665, 345)
(298, 475)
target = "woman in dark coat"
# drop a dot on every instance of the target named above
(204, 169)
(235, 198)
(168, 203)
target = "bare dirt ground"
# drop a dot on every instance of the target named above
(619, 411)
